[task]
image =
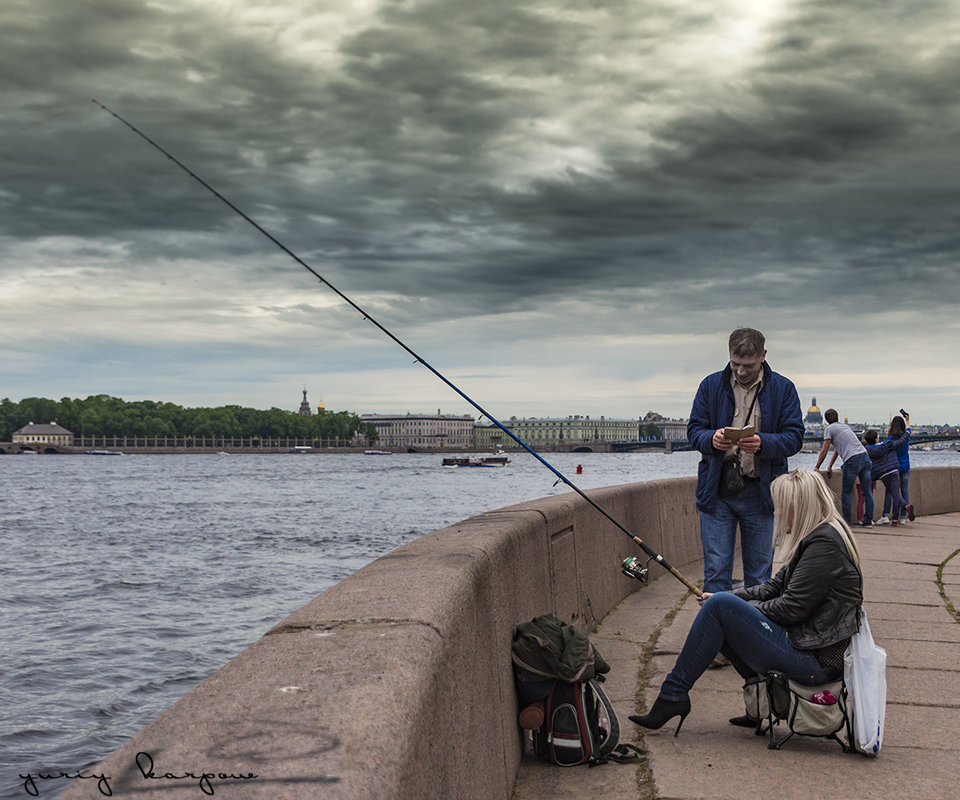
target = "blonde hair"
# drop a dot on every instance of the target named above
(802, 502)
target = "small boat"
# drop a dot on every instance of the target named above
(378, 452)
(102, 453)
(486, 461)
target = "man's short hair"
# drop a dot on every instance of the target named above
(746, 342)
(831, 415)
(870, 437)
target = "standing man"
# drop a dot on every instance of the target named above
(855, 466)
(747, 392)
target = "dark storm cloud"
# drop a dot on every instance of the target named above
(450, 160)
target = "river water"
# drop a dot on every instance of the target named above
(128, 580)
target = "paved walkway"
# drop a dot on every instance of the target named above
(712, 760)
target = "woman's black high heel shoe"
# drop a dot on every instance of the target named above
(662, 712)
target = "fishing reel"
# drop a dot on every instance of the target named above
(632, 568)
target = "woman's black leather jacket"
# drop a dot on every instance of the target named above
(817, 595)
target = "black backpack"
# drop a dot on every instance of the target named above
(580, 726)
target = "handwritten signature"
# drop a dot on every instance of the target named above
(147, 769)
(145, 765)
(30, 781)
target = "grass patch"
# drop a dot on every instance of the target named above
(645, 784)
(943, 592)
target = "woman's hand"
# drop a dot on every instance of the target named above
(704, 596)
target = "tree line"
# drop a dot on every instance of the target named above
(102, 415)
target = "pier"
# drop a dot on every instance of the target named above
(185, 444)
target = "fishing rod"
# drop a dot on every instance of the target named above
(630, 566)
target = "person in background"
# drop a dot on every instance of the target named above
(799, 623)
(886, 467)
(898, 425)
(855, 466)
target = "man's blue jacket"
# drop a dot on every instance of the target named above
(781, 431)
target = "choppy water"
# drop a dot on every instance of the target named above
(128, 580)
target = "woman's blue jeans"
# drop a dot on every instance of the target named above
(891, 483)
(904, 493)
(754, 645)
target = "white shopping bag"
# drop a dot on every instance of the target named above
(865, 673)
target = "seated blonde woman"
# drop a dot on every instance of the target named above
(799, 622)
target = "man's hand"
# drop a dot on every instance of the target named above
(721, 442)
(750, 444)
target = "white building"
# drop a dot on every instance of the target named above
(672, 430)
(422, 430)
(32, 434)
(540, 431)
(576, 431)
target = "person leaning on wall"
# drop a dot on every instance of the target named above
(855, 465)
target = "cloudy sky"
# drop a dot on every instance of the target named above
(565, 205)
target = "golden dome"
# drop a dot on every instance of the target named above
(814, 417)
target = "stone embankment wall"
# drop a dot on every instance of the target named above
(397, 682)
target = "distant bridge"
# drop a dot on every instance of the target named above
(683, 444)
(668, 445)
(915, 438)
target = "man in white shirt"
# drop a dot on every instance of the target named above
(856, 465)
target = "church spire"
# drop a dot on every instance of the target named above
(305, 405)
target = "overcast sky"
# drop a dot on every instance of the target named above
(564, 207)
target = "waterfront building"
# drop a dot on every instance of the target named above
(671, 430)
(422, 430)
(43, 434)
(576, 431)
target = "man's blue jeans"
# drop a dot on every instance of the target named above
(753, 643)
(718, 533)
(852, 469)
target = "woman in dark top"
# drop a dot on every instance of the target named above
(799, 622)
(885, 464)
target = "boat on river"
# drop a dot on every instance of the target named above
(484, 461)
(102, 453)
(378, 452)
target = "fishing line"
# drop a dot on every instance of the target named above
(561, 478)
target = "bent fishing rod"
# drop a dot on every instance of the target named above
(629, 566)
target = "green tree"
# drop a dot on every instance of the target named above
(103, 415)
